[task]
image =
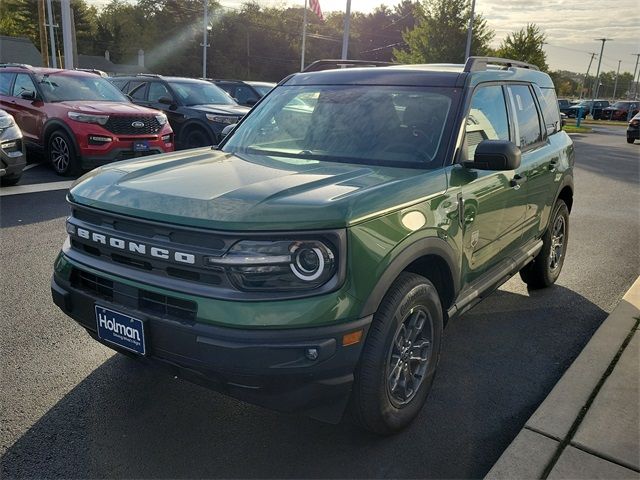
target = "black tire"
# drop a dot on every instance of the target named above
(544, 270)
(375, 405)
(62, 154)
(630, 140)
(9, 181)
(197, 137)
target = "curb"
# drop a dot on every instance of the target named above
(544, 443)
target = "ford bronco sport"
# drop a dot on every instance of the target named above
(310, 261)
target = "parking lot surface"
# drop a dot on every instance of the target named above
(70, 407)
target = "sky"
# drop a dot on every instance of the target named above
(571, 26)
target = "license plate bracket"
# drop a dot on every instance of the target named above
(120, 329)
(141, 146)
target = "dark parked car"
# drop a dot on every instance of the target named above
(78, 119)
(12, 154)
(564, 105)
(633, 130)
(245, 93)
(197, 110)
(621, 110)
(598, 109)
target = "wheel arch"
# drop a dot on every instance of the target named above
(432, 258)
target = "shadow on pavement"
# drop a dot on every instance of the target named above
(26, 209)
(127, 420)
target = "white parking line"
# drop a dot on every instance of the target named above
(35, 188)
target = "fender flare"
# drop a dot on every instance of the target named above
(415, 250)
(567, 181)
(57, 124)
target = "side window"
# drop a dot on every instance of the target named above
(22, 84)
(137, 90)
(158, 90)
(243, 94)
(5, 82)
(526, 115)
(120, 84)
(550, 112)
(487, 118)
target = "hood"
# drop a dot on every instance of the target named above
(222, 109)
(107, 108)
(217, 190)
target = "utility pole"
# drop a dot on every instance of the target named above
(615, 85)
(586, 77)
(52, 37)
(467, 51)
(304, 35)
(205, 31)
(633, 79)
(345, 35)
(595, 93)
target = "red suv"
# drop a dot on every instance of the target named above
(78, 119)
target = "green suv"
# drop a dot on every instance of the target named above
(310, 261)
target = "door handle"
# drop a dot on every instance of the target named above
(553, 164)
(517, 181)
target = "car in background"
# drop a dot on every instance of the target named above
(564, 105)
(633, 130)
(585, 105)
(197, 110)
(78, 119)
(621, 110)
(245, 93)
(12, 151)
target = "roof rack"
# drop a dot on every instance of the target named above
(101, 73)
(19, 65)
(475, 64)
(155, 75)
(334, 64)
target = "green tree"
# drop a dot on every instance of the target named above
(525, 45)
(440, 33)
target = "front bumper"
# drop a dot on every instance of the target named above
(267, 367)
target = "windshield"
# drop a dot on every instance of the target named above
(368, 124)
(621, 105)
(262, 89)
(201, 93)
(62, 88)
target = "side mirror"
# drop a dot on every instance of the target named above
(28, 95)
(165, 101)
(251, 102)
(227, 130)
(495, 155)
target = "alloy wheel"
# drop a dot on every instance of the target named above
(60, 155)
(557, 243)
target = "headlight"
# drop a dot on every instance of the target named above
(162, 118)
(227, 120)
(282, 265)
(88, 118)
(6, 121)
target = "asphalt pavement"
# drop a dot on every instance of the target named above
(70, 407)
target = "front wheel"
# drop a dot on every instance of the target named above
(630, 140)
(545, 268)
(197, 137)
(62, 154)
(400, 356)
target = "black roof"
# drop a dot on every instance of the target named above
(19, 50)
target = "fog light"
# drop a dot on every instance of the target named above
(166, 138)
(99, 140)
(311, 353)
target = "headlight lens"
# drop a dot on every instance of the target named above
(6, 121)
(283, 265)
(162, 118)
(227, 120)
(88, 118)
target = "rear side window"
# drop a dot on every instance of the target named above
(23, 84)
(5, 82)
(487, 118)
(137, 90)
(550, 111)
(527, 122)
(120, 83)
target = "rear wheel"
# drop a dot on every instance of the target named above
(400, 356)
(545, 268)
(62, 154)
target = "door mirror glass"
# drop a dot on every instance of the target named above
(495, 155)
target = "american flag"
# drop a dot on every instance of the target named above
(315, 8)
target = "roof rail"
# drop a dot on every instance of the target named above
(155, 75)
(475, 64)
(19, 65)
(101, 73)
(334, 64)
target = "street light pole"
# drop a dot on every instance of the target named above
(52, 43)
(597, 88)
(345, 35)
(467, 51)
(304, 35)
(615, 85)
(635, 85)
(204, 37)
(67, 40)
(586, 76)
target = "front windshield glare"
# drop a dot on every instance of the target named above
(360, 124)
(62, 88)
(201, 93)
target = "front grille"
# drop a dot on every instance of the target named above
(124, 125)
(151, 303)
